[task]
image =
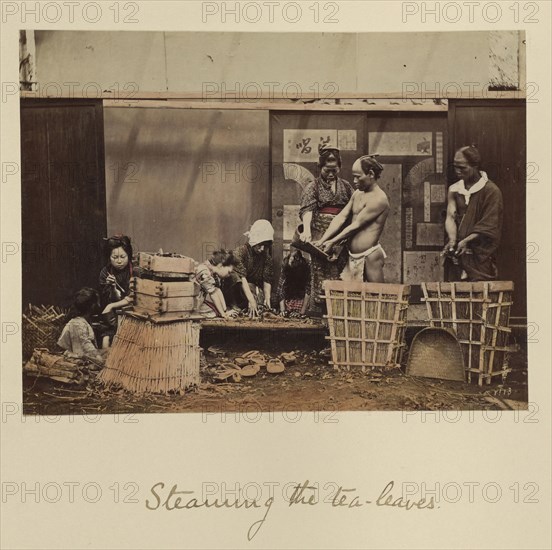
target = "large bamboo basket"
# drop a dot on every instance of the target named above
(367, 322)
(479, 315)
(156, 357)
(42, 327)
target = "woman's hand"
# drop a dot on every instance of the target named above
(230, 314)
(253, 310)
(110, 280)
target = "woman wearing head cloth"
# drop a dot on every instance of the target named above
(250, 284)
(321, 201)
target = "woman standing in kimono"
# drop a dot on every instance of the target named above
(321, 201)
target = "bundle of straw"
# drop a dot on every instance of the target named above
(153, 357)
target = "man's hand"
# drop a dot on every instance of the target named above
(462, 248)
(327, 246)
(306, 236)
(449, 248)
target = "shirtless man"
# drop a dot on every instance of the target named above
(369, 206)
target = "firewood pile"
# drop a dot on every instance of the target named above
(42, 326)
(59, 367)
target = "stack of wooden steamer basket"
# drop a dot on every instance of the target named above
(156, 348)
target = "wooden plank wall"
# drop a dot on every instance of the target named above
(63, 210)
(186, 181)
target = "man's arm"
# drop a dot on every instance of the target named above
(463, 244)
(367, 215)
(337, 222)
(450, 222)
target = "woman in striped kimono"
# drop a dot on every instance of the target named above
(321, 201)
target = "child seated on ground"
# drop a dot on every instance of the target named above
(208, 275)
(77, 336)
(294, 284)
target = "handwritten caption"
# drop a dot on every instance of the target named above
(172, 498)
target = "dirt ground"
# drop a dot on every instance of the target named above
(309, 384)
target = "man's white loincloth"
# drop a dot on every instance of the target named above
(354, 270)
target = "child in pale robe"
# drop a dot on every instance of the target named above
(77, 336)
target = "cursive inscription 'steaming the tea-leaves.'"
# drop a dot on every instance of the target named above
(304, 494)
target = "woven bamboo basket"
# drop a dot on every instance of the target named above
(479, 314)
(436, 353)
(367, 322)
(41, 328)
(153, 357)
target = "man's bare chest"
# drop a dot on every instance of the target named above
(359, 203)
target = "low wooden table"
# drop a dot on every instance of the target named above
(254, 324)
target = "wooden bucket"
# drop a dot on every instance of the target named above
(156, 357)
(478, 314)
(367, 322)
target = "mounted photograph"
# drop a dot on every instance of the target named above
(245, 221)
